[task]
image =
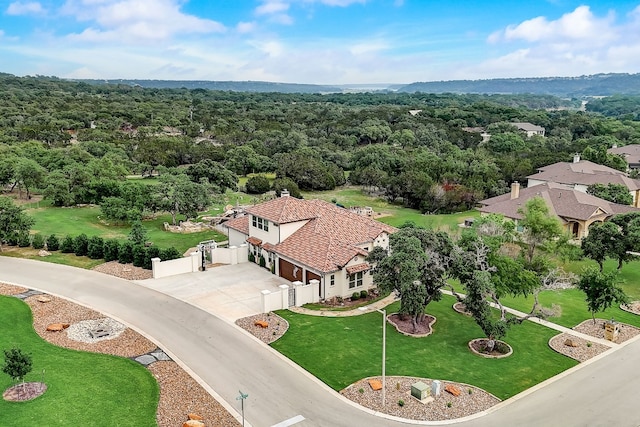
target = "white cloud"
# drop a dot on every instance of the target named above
(135, 20)
(245, 27)
(269, 7)
(579, 25)
(25, 8)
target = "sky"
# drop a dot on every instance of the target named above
(318, 41)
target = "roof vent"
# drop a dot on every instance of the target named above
(284, 193)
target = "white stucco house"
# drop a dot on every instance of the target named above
(303, 240)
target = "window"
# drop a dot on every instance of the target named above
(260, 223)
(333, 280)
(355, 280)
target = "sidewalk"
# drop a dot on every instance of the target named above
(379, 305)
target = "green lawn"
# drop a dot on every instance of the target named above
(83, 388)
(77, 220)
(343, 350)
(392, 214)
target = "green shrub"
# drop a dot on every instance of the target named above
(360, 390)
(24, 240)
(95, 247)
(364, 294)
(355, 296)
(169, 254)
(38, 241)
(66, 247)
(258, 184)
(448, 404)
(252, 257)
(12, 239)
(263, 262)
(401, 402)
(53, 243)
(152, 252)
(80, 244)
(125, 252)
(139, 255)
(110, 250)
(273, 268)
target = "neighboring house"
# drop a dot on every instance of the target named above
(302, 240)
(631, 154)
(575, 209)
(580, 174)
(529, 128)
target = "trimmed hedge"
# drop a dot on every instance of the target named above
(53, 244)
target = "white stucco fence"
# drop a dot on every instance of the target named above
(279, 300)
(231, 255)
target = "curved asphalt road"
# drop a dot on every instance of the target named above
(603, 393)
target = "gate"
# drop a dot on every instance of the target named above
(292, 296)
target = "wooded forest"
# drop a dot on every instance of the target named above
(76, 142)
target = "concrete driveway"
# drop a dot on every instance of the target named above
(229, 291)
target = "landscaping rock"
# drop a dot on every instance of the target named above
(43, 298)
(57, 327)
(193, 423)
(570, 343)
(375, 385)
(42, 252)
(261, 323)
(452, 389)
(195, 417)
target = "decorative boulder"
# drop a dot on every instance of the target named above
(375, 385)
(193, 423)
(570, 343)
(452, 389)
(43, 298)
(57, 327)
(195, 417)
(42, 252)
(261, 323)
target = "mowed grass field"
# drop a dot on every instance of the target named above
(83, 389)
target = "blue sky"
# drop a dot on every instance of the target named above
(318, 41)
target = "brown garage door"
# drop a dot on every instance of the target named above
(290, 271)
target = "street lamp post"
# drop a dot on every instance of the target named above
(384, 349)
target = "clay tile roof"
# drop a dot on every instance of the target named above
(562, 201)
(283, 210)
(241, 224)
(254, 241)
(358, 267)
(584, 172)
(329, 240)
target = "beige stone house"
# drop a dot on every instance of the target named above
(529, 128)
(303, 240)
(575, 209)
(580, 174)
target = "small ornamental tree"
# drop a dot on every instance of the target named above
(125, 252)
(110, 250)
(138, 234)
(601, 290)
(66, 247)
(16, 364)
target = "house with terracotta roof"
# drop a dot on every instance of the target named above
(631, 154)
(580, 174)
(575, 209)
(303, 240)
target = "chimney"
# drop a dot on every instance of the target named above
(515, 190)
(576, 158)
(614, 146)
(284, 193)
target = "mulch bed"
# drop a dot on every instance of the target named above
(501, 349)
(404, 325)
(24, 391)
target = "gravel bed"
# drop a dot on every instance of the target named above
(180, 394)
(444, 407)
(276, 328)
(583, 350)
(597, 330)
(124, 271)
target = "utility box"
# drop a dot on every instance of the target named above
(420, 390)
(611, 330)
